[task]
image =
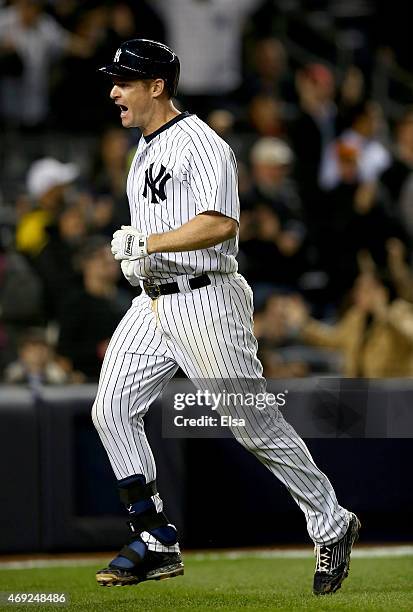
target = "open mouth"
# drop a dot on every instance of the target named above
(123, 109)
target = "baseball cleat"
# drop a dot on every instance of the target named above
(114, 576)
(333, 561)
(156, 566)
(159, 566)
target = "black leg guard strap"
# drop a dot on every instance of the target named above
(147, 521)
(137, 491)
(150, 520)
(130, 554)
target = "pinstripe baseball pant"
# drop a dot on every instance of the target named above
(208, 333)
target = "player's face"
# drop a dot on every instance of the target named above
(134, 100)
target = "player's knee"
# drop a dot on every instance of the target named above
(102, 415)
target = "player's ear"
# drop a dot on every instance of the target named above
(158, 87)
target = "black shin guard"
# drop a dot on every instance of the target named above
(136, 494)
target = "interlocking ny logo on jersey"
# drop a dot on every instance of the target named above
(157, 190)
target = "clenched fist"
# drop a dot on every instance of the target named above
(129, 244)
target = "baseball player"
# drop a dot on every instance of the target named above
(193, 311)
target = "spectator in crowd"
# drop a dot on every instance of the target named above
(399, 269)
(146, 23)
(222, 122)
(351, 93)
(375, 335)
(396, 177)
(54, 263)
(47, 181)
(103, 26)
(373, 157)
(37, 363)
(353, 217)
(36, 40)
(111, 209)
(112, 163)
(271, 230)
(283, 352)
(268, 74)
(63, 11)
(91, 313)
(20, 297)
(271, 163)
(90, 24)
(265, 116)
(207, 37)
(351, 199)
(120, 20)
(315, 127)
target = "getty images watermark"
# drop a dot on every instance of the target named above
(219, 401)
(314, 407)
(217, 408)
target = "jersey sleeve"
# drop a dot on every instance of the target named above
(213, 178)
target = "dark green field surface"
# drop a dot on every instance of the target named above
(222, 583)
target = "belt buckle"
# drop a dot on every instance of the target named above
(152, 290)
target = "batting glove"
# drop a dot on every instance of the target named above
(128, 269)
(129, 243)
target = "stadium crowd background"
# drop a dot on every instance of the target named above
(315, 98)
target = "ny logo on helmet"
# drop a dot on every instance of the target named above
(117, 55)
(150, 182)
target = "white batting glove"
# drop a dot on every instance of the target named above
(128, 269)
(129, 243)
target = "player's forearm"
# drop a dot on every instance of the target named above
(201, 232)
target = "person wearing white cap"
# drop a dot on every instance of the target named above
(46, 181)
(271, 160)
(48, 173)
(272, 150)
(271, 227)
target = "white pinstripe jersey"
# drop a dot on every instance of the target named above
(179, 171)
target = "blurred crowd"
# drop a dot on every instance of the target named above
(325, 179)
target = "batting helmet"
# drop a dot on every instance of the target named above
(145, 59)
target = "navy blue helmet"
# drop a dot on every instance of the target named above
(145, 59)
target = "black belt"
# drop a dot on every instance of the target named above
(154, 291)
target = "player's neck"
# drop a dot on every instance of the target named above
(162, 115)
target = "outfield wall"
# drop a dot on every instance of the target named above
(58, 491)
